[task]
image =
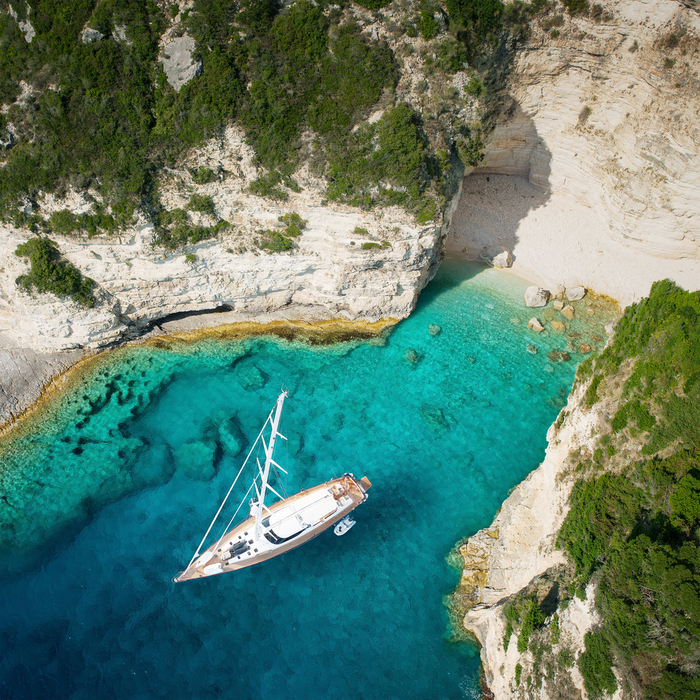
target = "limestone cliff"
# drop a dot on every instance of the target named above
(328, 274)
(592, 166)
(520, 546)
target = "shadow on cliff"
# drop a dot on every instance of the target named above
(498, 195)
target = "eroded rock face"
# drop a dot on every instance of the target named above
(592, 170)
(504, 558)
(327, 275)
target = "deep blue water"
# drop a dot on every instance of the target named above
(108, 491)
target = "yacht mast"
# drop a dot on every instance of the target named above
(269, 450)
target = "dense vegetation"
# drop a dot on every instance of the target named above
(634, 524)
(49, 273)
(100, 114)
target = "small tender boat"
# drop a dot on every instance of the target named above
(271, 530)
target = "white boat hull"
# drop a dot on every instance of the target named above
(289, 523)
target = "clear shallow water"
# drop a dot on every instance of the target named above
(112, 488)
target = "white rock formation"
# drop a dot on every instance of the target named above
(536, 296)
(521, 545)
(497, 256)
(575, 293)
(178, 62)
(25, 24)
(329, 275)
(592, 173)
(91, 35)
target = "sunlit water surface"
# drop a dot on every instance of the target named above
(107, 493)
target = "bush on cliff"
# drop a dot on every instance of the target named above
(49, 273)
(635, 531)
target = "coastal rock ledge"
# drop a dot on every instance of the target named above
(519, 547)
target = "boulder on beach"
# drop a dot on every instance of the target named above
(536, 296)
(534, 325)
(575, 293)
(497, 256)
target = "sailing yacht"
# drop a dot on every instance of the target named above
(284, 524)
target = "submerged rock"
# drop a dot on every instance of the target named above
(584, 348)
(250, 377)
(536, 296)
(531, 349)
(434, 417)
(434, 329)
(558, 304)
(534, 325)
(411, 356)
(568, 312)
(558, 356)
(196, 460)
(558, 326)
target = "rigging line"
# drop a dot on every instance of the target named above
(196, 554)
(233, 517)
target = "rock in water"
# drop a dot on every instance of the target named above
(434, 417)
(568, 312)
(411, 356)
(196, 460)
(497, 256)
(531, 349)
(536, 296)
(584, 348)
(250, 377)
(534, 325)
(434, 329)
(558, 356)
(575, 293)
(558, 326)
(558, 304)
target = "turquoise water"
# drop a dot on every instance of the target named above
(107, 493)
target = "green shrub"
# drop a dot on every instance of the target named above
(360, 231)
(518, 673)
(48, 273)
(554, 629)
(427, 212)
(202, 203)
(595, 664)
(533, 618)
(451, 56)
(274, 242)
(565, 659)
(370, 246)
(576, 7)
(203, 175)
(267, 186)
(426, 23)
(295, 224)
(475, 88)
